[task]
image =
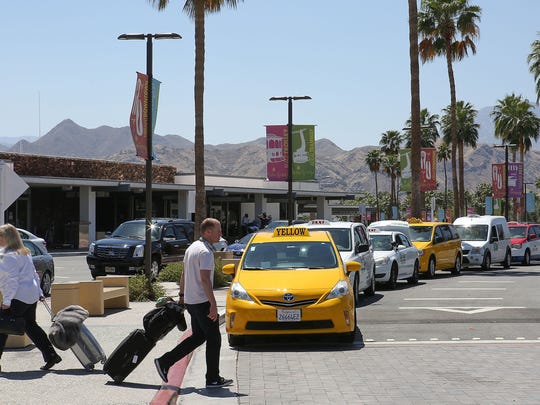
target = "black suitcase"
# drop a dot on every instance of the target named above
(128, 355)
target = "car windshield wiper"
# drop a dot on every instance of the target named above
(252, 268)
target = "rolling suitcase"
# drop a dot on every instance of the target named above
(87, 349)
(128, 355)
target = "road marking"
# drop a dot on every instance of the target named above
(372, 342)
(463, 310)
(469, 289)
(451, 299)
(486, 281)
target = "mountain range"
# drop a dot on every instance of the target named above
(336, 169)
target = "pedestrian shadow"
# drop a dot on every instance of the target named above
(218, 393)
(36, 374)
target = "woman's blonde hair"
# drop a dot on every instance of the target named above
(13, 240)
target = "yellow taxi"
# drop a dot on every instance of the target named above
(439, 246)
(290, 281)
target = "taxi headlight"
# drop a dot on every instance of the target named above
(420, 252)
(381, 260)
(91, 248)
(138, 251)
(239, 293)
(341, 289)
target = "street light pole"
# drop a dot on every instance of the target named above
(149, 130)
(290, 205)
(505, 175)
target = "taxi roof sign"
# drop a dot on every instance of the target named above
(281, 231)
(319, 222)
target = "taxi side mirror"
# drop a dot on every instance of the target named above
(229, 269)
(352, 266)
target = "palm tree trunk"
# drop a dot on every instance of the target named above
(416, 201)
(445, 188)
(453, 127)
(377, 217)
(461, 177)
(200, 187)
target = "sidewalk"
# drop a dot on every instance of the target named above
(68, 382)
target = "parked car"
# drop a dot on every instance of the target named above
(439, 246)
(44, 264)
(485, 239)
(525, 240)
(26, 235)
(239, 245)
(289, 282)
(221, 245)
(352, 241)
(123, 251)
(395, 257)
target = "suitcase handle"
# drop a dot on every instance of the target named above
(48, 309)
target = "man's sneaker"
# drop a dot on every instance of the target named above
(162, 371)
(220, 382)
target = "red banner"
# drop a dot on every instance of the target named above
(276, 153)
(498, 180)
(428, 169)
(139, 116)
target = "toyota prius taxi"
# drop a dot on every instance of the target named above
(290, 281)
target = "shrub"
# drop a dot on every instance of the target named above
(172, 273)
(139, 291)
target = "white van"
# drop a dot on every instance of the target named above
(485, 239)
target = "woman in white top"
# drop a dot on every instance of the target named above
(19, 284)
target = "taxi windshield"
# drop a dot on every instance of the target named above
(518, 231)
(341, 236)
(289, 255)
(420, 233)
(381, 243)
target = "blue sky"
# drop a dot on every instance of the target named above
(62, 60)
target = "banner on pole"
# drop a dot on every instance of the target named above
(515, 174)
(405, 166)
(498, 180)
(428, 169)
(139, 114)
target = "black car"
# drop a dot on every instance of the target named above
(123, 251)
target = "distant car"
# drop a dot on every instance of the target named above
(25, 235)
(396, 258)
(289, 282)
(239, 245)
(281, 222)
(525, 239)
(439, 247)
(352, 241)
(485, 239)
(44, 264)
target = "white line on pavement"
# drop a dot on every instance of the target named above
(469, 289)
(451, 299)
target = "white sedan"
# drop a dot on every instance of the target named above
(396, 258)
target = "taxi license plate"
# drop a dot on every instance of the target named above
(289, 315)
(110, 269)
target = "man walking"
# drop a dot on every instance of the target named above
(197, 292)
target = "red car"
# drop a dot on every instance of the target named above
(525, 239)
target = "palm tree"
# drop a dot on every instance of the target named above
(443, 154)
(449, 28)
(391, 167)
(516, 123)
(374, 161)
(467, 135)
(534, 65)
(416, 195)
(197, 9)
(390, 143)
(428, 125)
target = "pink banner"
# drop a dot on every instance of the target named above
(498, 180)
(428, 169)
(276, 153)
(139, 116)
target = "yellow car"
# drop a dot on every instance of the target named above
(439, 246)
(290, 281)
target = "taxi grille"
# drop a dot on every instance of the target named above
(320, 324)
(289, 304)
(111, 252)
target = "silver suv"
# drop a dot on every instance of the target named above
(353, 243)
